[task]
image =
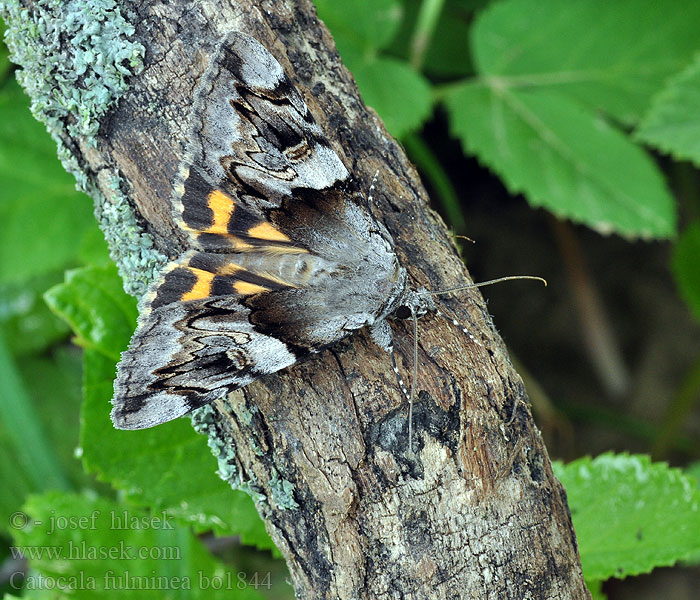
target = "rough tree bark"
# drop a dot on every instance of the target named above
(477, 513)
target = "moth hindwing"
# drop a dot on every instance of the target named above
(283, 259)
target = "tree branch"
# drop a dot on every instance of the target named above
(477, 513)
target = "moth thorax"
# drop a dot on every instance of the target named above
(296, 269)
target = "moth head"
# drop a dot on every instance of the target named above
(414, 302)
(402, 312)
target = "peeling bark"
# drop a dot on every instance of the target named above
(477, 513)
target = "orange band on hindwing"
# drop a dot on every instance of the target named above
(222, 206)
(201, 287)
(236, 227)
(245, 288)
(265, 231)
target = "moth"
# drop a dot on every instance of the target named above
(284, 256)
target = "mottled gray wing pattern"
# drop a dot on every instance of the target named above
(284, 258)
(253, 138)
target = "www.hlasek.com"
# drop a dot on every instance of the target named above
(81, 550)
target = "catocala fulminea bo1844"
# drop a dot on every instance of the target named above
(284, 256)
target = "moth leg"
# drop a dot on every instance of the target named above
(402, 385)
(382, 335)
(407, 394)
(369, 200)
(370, 192)
(456, 323)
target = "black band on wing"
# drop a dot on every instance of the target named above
(175, 284)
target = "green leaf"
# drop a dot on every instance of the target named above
(94, 304)
(550, 72)
(21, 431)
(53, 388)
(562, 157)
(685, 264)
(630, 515)
(19, 480)
(43, 219)
(448, 53)
(28, 324)
(611, 56)
(93, 248)
(673, 124)
(38, 428)
(170, 466)
(54, 385)
(693, 470)
(360, 26)
(400, 96)
(95, 548)
(4, 56)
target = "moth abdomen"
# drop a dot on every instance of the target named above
(296, 270)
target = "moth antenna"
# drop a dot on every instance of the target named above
(464, 237)
(484, 283)
(454, 321)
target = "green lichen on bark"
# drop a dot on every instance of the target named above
(137, 259)
(282, 492)
(76, 58)
(221, 446)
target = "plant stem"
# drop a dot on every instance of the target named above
(682, 404)
(600, 342)
(424, 158)
(425, 26)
